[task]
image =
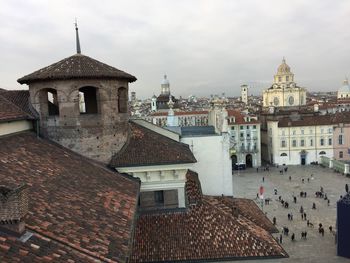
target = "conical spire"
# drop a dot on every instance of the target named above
(77, 37)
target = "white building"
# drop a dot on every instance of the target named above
(245, 139)
(214, 166)
(284, 91)
(184, 118)
(300, 139)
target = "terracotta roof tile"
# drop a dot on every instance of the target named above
(72, 200)
(21, 99)
(328, 119)
(10, 112)
(147, 147)
(204, 232)
(76, 66)
(180, 113)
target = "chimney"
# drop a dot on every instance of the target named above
(13, 208)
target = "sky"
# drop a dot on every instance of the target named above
(204, 46)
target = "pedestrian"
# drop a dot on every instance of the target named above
(322, 231)
(301, 209)
(274, 220)
(330, 229)
(305, 234)
(290, 178)
(308, 223)
(304, 216)
(291, 216)
(313, 206)
(328, 202)
(321, 189)
(280, 238)
(279, 198)
(293, 237)
(288, 216)
(257, 169)
(275, 191)
(347, 188)
(302, 180)
(308, 180)
(257, 195)
(263, 179)
(305, 194)
(295, 199)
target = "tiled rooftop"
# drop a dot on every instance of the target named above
(206, 231)
(21, 99)
(147, 147)
(10, 112)
(76, 66)
(78, 209)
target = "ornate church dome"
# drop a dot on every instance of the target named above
(346, 87)
(165, 80)
(283, 68)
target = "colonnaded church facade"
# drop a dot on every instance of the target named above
(284, 91)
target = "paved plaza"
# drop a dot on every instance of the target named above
(316, 248)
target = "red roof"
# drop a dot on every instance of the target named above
(239, 118)
(10, 112)
(207, 231)
(78, 209)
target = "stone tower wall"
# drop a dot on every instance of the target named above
(99, 135)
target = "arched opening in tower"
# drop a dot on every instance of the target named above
(88, 100)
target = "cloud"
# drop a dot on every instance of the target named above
(205, 47)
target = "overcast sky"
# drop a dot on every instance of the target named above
(205, 47)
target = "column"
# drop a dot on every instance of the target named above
(181, 197)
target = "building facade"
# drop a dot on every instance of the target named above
(284, 92)
(245, 139)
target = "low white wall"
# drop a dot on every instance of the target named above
(15, 126)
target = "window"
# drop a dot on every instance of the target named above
(159, 197)
(283, 132)
(283, 154)
(248, 135)
(340, 154)
(329, 141)
(287, 78)
(341, 130)
(241, 127)
(294, 132)
(87, 100)
(294, 143)
(340, 139)
(311, 142)
(283, 144)
(322, 152)
(242, 134)
(302, 142)
(255, 146)
(122, 100)
(330, 130)
(247, 127)
(302, 131)
(232, 128)
(321, 141)
(254, 127)
(279, 79)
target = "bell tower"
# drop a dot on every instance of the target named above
(82, 104)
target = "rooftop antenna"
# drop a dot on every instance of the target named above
(77, 37)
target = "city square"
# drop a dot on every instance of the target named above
(315, 248)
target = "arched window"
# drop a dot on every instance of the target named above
(52, 102)
(122, 100)
(322, 152)
(88, 100)
(48, 102)
(283, 154)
